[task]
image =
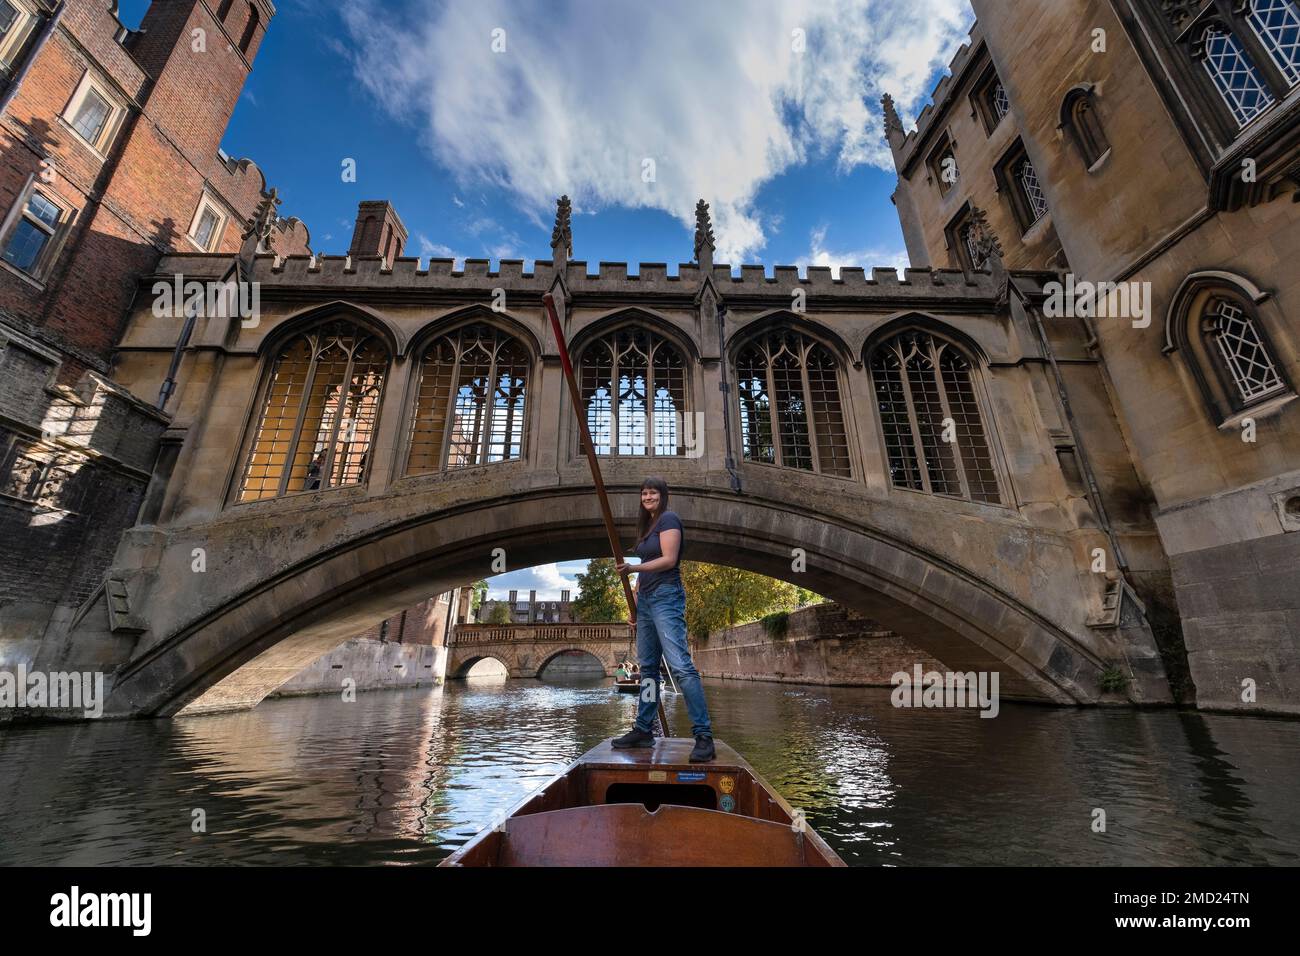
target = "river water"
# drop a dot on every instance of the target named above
(407, 776)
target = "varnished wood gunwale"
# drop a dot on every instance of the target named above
(580, 828)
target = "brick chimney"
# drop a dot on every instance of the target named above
(379, 231)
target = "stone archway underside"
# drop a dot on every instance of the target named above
(258, 637)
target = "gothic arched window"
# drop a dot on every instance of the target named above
(790, 414)
(930, 417)
(469, 400)
(1277, 24)
(1215, 323)
(318, 413)
(1234, 74)
(1079, 117)
(633, 386)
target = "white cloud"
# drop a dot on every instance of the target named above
(820, 255)
(547, 579)
(712, 92)
(436, 250)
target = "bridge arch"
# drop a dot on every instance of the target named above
(465, 666)
(255, 626)
(560, 652)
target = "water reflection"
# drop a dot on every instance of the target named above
(407, 776)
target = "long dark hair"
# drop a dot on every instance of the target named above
(644, 519)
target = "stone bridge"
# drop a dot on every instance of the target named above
(799, 430)
(526, 649)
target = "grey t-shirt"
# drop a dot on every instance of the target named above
(649, 549)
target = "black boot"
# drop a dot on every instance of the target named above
(703, 751)
(633, 738)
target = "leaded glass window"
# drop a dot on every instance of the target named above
(999, 100)
(1245, 358)
(319, 412)
(1277, 24)
(1238, 80)
(930, 418)
(633, 387)
(470, 400)
(1032, 189)
(790, 412)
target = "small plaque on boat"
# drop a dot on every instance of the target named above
(690, 776)
(658, 776)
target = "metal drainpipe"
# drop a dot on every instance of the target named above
(169, 383)
(47, 31)
(725, 387)
(191, 316)
(1085, 464)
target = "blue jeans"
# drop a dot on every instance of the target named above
(661, 630)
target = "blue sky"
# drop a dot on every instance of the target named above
(472, 116)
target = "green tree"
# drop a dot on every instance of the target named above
(479, 590)
(600, 594)
(718, 597)
(499, 614)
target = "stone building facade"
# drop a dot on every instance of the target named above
(109, 158)
(388, 425)
(1154, 144)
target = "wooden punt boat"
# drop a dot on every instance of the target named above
(650, 807)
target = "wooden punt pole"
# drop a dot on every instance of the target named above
(605, 512)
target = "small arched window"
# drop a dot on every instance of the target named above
(1245, 364)
(250, 30)
(1079, 118)
(319, 412)
(224, 10)
(633, 387)
(469, 401)
(930, 417)
(790, 414)
(1215, 323)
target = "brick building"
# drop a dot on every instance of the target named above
(109, 157)
(531, 611)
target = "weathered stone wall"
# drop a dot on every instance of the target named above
(371, 665)
(1164, 204)
(823, 644)
(74, 465)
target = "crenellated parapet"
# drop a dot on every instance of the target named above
(413, 276)
(942, 99)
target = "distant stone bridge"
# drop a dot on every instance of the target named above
(526, 649)
(290, 510)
